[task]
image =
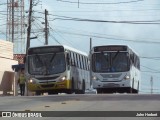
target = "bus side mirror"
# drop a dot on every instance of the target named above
(24, 59)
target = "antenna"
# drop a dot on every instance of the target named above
(15, 25)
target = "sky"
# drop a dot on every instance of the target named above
(144, 39)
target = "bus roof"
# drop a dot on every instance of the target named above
(65, 47)
(116, 45)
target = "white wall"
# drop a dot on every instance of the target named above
(6, 49)
(6, 75)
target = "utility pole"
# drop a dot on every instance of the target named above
(46, 28)
(78, 3)
(15, 82)
(29, 26)
(28, 34)
(12, 20)
(90, 61)
(151, 81)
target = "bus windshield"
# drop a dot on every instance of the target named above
(46, 64)
(110, 62)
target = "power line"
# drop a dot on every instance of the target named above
(55, 39)
(153, 58)
(151, 69)
(100, 34)
(64, 38)
(78, 2)
(104, 21)
(147, 74)
(3, 3)
(104, 37)
(124, 10)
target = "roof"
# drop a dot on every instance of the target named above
(18, 67)
(65, 47)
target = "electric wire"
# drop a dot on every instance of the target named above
(105, 37)
(121, 2)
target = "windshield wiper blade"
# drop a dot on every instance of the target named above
(52, 57)
(106, 58)
(39, 59)
(45, 72)
(115, 56)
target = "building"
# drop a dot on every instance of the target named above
(6, 62)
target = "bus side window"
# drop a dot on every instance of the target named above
(132, 59)
(87, 63)
(80, 59)
(68, 58)
(83, 62)
(72, 59)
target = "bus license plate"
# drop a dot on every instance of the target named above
(110, 85)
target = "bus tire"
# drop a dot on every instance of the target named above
(72, 86)
(51, 93)
(129, 90)
(137, 90)
(38, 93)
(99, 90)
(71, 90)
(83, 88)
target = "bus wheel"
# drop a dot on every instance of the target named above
(130, 90)
(51, 93)
(99, 91)
(72, 85)
(83, 88)
(38, 93)
(138, 88)
(71, 90)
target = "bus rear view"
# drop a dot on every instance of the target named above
(115, 68)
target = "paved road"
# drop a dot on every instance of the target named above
(88, 102)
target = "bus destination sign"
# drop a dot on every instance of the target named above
(110, 48)
(46, 49)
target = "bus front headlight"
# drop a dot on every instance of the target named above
(32, 81)
(127, 77)
(62, 79)
(94, 78)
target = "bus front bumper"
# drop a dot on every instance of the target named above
(49, 86)
(99, 84)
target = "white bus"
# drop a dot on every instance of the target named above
(115, 68)
(57, 69)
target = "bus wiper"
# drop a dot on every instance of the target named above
(37, 56)
(106, 58)
(46, 69)
(113, 59)
(115, 56)
(52, 57)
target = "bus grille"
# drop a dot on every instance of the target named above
(47, 78)
(111, 85)
(111, 75)
(46, 86)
